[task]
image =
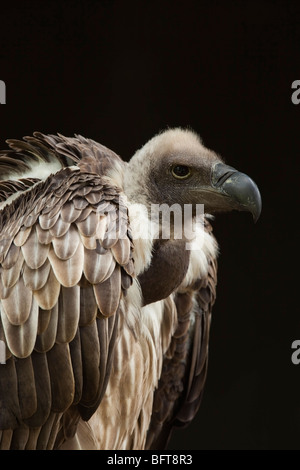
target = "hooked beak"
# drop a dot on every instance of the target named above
(238, 190)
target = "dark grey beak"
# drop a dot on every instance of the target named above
(242, 191)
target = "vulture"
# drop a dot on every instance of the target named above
(105, 304)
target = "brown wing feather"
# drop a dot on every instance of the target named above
(179, 393)
(58, 316)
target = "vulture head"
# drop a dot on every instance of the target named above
(175, 167)
(103, 334)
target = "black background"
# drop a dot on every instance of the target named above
(119, 72)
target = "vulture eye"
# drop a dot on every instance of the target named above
(181, 171)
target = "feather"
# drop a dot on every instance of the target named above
(84, 213)
(44, 236)
(111, 234)
(4, 291)
(4, 247)
(17, 306)
(129, 268)
(10, 276)
(60, 228)
(67, 244)
(35, 279)
(69, 311)
(79, 203)
(19, 438)
(108, 293)
(88, 226)
(61, 377)
(11, 257)
(32, 438)
(104, 206)
(76, 358)
(101, 228)
(69, 213)
(97, 268)
(55, 207)
(94, 197)
(44, 442)
(121, 251)
(46, 222)
(68, 272)
(44, 319)
(88, 306)
(89, 242)
(6, 437)
(21, 337)
(10, 410)
(47, 296)
(83, 190)
(42, 390)
(29, 220)
(90, 363)
(35, 254)
(126, 280)
(25, 380)
(106, 347)
(45, 340)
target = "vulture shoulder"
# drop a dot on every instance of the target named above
(65, 266)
